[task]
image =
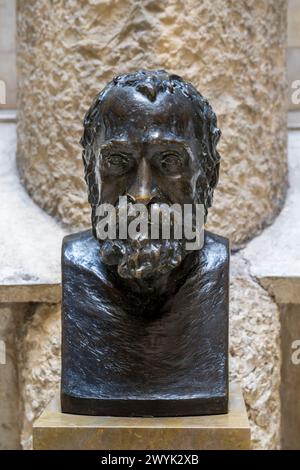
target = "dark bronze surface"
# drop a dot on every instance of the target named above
(145, 322)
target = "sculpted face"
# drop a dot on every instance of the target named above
(148, 149)
(151, 137)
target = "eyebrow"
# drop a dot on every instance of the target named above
(177, 142)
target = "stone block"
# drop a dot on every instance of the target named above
(55, 430)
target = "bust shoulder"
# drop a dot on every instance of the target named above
(212, 239)
(80, 248)
(215, 252)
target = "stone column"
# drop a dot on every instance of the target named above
(234, 53)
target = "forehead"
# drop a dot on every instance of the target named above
(127, 113)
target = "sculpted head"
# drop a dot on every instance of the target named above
(152, 137)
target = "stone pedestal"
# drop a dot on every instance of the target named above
(55, 430)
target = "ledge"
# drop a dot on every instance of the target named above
(30, 240)
(294, 120)
(8, 115)
(274, 256)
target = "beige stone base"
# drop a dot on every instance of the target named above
(55, 430)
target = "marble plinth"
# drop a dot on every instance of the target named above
(56, 430)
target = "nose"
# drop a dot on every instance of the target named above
(142, 190)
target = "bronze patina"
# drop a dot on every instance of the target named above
(145, 322)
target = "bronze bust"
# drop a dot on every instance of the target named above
(145, 322)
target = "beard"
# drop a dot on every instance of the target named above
(140, 257)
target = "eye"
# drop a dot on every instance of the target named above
(117, 163)
(171, 163)
(117, 159)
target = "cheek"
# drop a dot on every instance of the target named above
(111, 189)
(114, 186)
(179, 190)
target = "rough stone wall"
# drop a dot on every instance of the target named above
(39, 364)
(234, 52)
(254, 357)
(254, 348)
(11, 318)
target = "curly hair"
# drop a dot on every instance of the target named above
(150, 84)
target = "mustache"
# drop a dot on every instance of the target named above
(137, 220)
(138, 256)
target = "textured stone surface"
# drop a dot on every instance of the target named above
(55, 430)
(255, 353)
(10, 320)
(39, 364)
(234, 52)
